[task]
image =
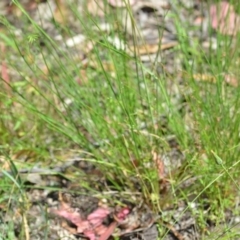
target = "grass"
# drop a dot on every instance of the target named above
(120, 112)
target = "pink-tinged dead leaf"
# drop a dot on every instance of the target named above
(224, 18)
(109, 231)
(96, 7)
(93, 234)
(121, 3)
(4, 73)
(231, 80)
(163, 181)
(159, 164)
(91, 227)
(90, 234)
(72, 216)
(122, 214)
(97, 217)
(101, 229)
(199, 20)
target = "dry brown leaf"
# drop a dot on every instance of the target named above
(121, 3)
(151, 48)
(61, 13)
(96, 7)
(230, 79)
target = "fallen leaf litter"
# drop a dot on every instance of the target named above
(104, 221)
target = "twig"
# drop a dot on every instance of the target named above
(53, 171)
